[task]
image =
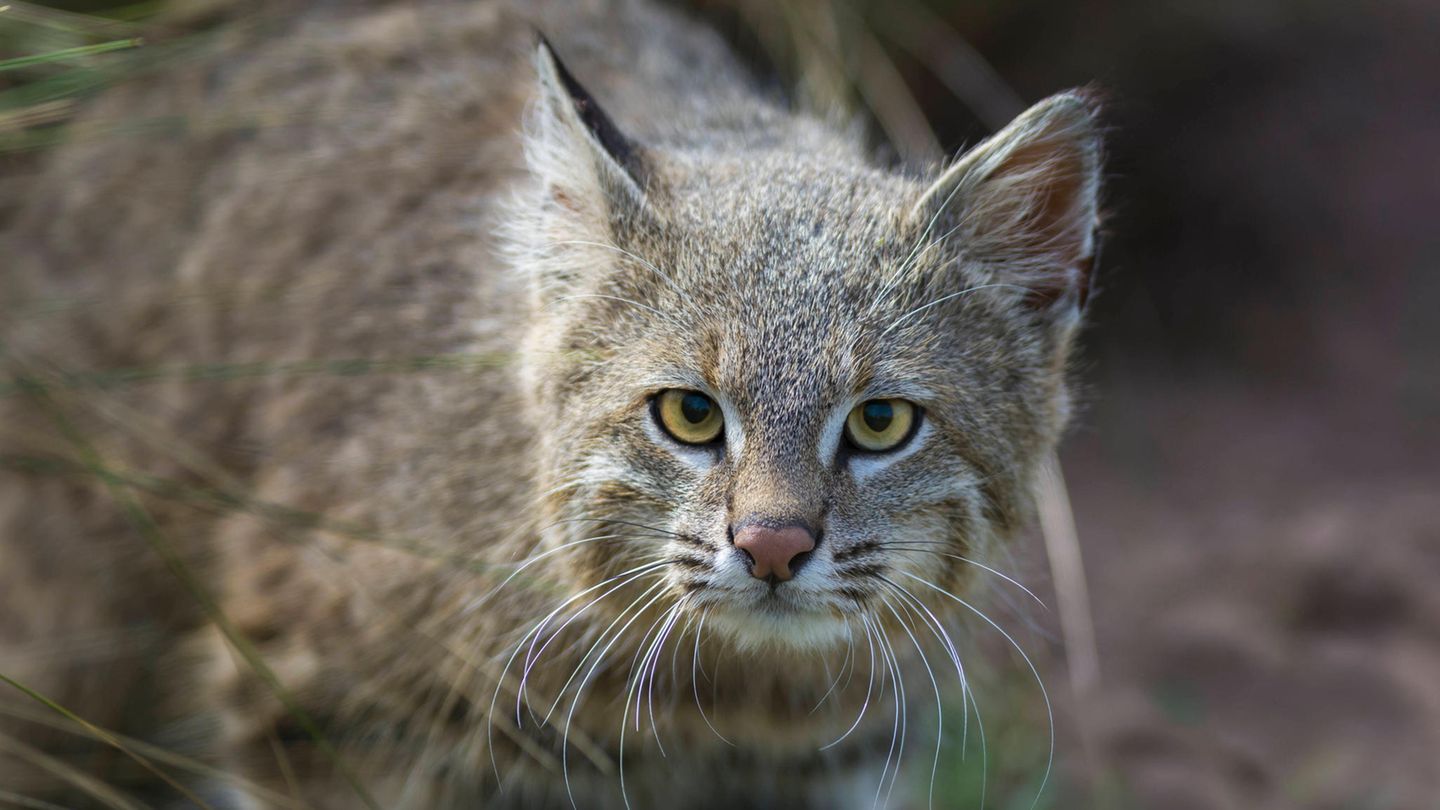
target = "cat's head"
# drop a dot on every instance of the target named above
(782, 386)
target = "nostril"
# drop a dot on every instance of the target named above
(747, 558)
(798, 561)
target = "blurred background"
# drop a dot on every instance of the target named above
(1255, 470)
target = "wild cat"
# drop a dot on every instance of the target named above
(428, 422)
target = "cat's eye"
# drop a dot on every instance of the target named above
(689, 417)
(877, 425)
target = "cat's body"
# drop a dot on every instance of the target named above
(354, 186)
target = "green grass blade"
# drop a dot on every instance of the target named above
(104, 736)
(68, 53)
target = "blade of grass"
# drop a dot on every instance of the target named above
(66, 22)
(342, 367)
(154, 753)
(222, 501)
(68, 53)
(6, 797)
(104, 736)
(963, 70)
(101, 792)
(142, 522)
(132, 422)
(1077, 623)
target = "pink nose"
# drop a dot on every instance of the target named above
(774, 550)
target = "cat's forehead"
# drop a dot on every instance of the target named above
(785, 276)
(771, 206)
(813, 233)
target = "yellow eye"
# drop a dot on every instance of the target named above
(877, 425)
(689, 417)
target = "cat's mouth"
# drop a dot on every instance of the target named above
(778, 618)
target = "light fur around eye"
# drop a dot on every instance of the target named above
(689, 417)
(880, 425)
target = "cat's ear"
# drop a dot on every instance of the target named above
(586, 163)
(1026, 201)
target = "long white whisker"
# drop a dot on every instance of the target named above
(948, 645)
(656, 529)
(840, 673)
(533, 656)
(869, 687)
(897, 730)
(647, 265)
(539, 628)
(479, 601)
(942, 299)
(633, 682)
(606, 633)
(939, 706)
(619, 299)
(910, 546)
(654, 663)
(1049, 710)
(580, 692)
(695, 681)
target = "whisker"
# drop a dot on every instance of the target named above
(632, 524)
(647, 265)
(869, 687)
(476, 603)
(538, 628)
(695, 682)
(968, 697)
(911, 545)
(1049, 710)
(650, 690)
(580, 690)
(946, 643)
(634, 680)
(897, 730)
(942, 299)
(939, 705)
(606, 633)
(849, 649)
(646, 307)
(533, 656)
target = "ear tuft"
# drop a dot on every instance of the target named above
(1026, 201)
(575, 147)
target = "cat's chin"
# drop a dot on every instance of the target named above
(779, 625)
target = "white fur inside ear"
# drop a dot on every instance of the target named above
(1027, 199)
(563, 151)
(558, 229)
(557, 151)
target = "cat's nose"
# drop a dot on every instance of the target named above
(776, 551)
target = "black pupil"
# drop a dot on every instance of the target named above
(695, 408)
(878, 415)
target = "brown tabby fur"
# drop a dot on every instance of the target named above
(352, 182)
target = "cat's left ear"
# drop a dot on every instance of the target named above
(588, 165)
(1025, 202)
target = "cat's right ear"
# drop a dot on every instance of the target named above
(586, 163)
(1026, 201)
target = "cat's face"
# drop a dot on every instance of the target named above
(784, 390)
